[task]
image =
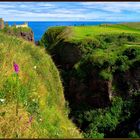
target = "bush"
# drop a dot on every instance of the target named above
(100, 120)
(105, 75)
(122, 63)
(130, 53)
(95, 135)
(133, 134)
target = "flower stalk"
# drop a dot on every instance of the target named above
(16, 69)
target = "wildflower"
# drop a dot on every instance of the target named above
(40, 120)
(2, 100)
(34, 67)
(16, 67)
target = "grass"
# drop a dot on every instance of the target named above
(81, 32)
(134, 25)
(19, 29)
(36, 92)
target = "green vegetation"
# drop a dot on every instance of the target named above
(16, 30)
(92, 31)
(32, 103)
(101, 122)
(133, 134)
(22, 32)
(99, 65)
(133, 25)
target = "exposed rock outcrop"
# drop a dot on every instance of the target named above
(27, 35)
(95, 92)
(128, 82)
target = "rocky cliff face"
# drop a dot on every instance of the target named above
(101, 78)
(128, 83)
(97, 92)
(94, 92)
(22, 32)
(84, 84)
(27, 35)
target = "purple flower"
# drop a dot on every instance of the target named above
(16, 67)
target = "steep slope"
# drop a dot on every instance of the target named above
(83, 52)
(100, 70)
(32, 103)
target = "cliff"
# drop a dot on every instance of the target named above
(32, 103)
(100, 70)
(22, 32)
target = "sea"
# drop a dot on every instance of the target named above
(39, 27)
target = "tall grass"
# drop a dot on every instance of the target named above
(37, 90)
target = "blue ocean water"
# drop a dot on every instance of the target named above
(39, 28)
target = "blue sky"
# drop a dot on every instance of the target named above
(70, 11)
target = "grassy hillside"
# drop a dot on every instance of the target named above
(92, 31)
(134, 25)
(32, 103)
(100, 70)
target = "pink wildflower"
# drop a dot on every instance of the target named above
(16, 67)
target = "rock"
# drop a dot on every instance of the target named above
(18, 32)
(128, 82)
(29, 36)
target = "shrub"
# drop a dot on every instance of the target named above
(105, 74)
(133, 134)
(122, 63)
(94, 134)
(130, 53)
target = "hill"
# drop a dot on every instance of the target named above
(92, 31)
(100, 70)
(32, 103)
(134, 25)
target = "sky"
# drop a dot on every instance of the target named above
(70, 11)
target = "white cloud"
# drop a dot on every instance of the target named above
(113, 6)
(71, 11)
(45, 4)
